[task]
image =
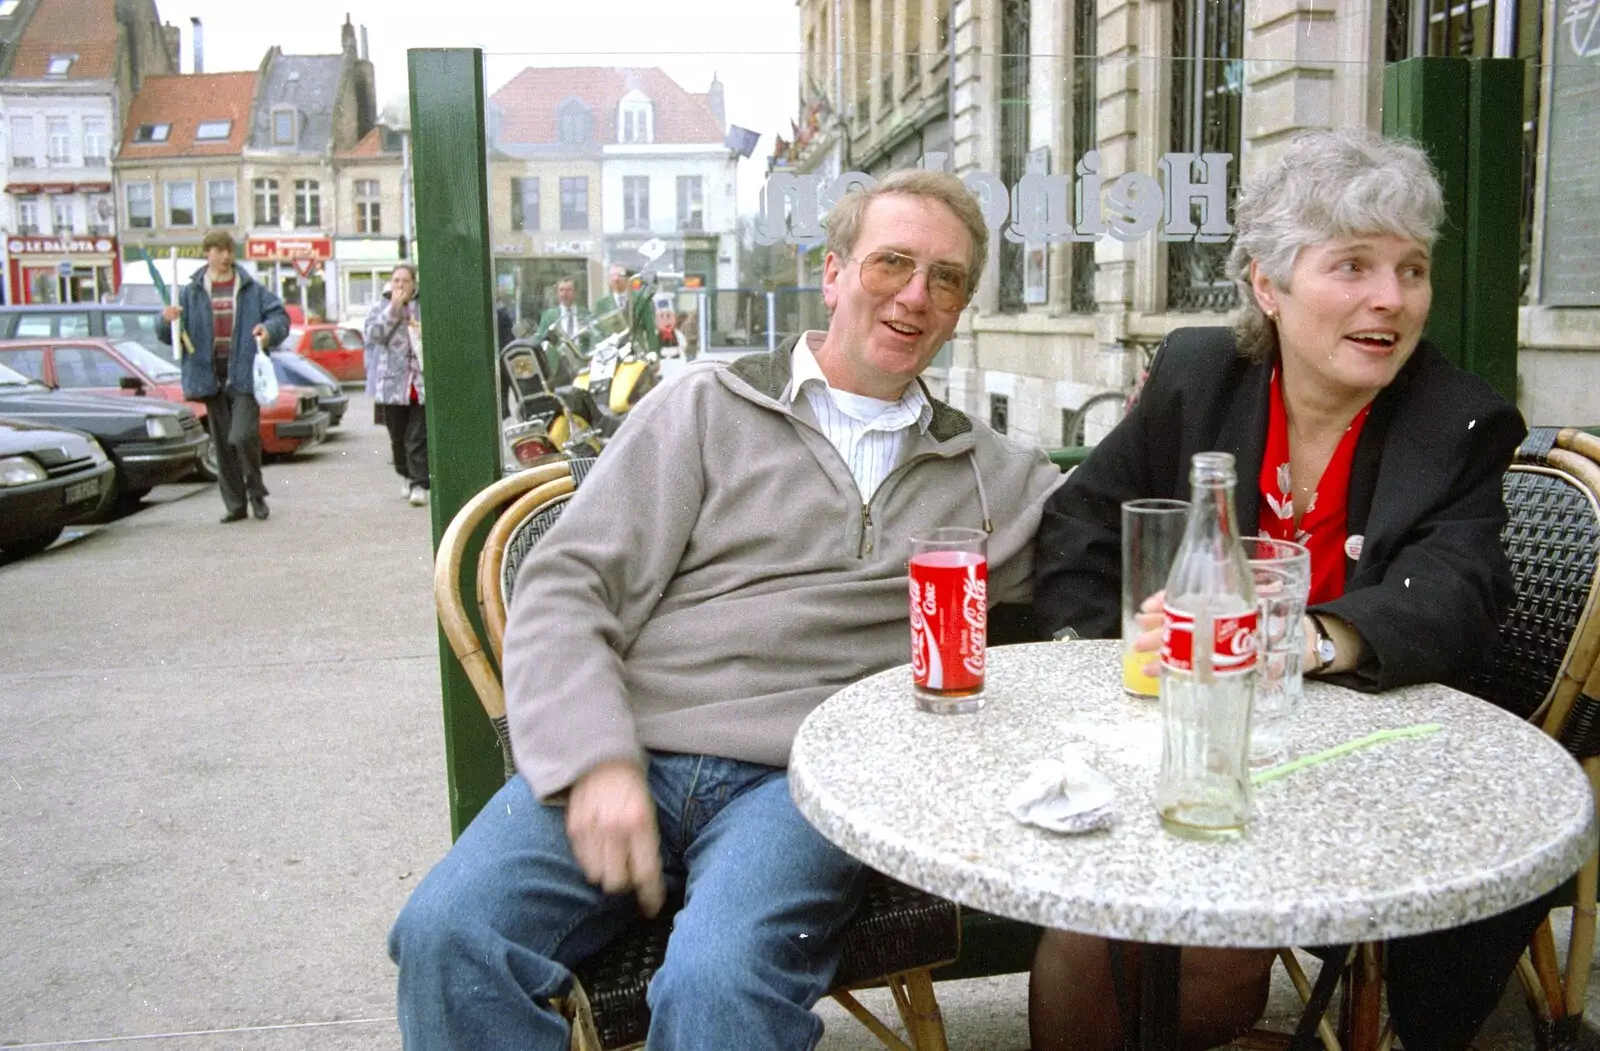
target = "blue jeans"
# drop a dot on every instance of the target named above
(494, 931)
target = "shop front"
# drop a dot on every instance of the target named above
(62, 269)
(527, 272)
(361, 269)
(296, 269)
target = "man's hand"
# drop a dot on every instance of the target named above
(171, 313)
(260, 332)
(398, 300)
(611, 822)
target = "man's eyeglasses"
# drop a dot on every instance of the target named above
(885, 273)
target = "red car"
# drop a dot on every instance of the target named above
(122, 366)
(338, 348)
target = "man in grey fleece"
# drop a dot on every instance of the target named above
(738, 554)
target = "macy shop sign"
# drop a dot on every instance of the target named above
(1039, 207)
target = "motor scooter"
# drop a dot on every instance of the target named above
(622, 369)
(546, 415)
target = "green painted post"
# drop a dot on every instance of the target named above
(456, 290)
(1425, 99)
(1494, 221)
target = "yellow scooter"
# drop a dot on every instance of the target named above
(622, 369)
(547, 416)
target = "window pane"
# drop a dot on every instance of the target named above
(636, 202)
(87, 367)
(22, 147)
(575, 202)
(220, 202)
(59, 140)
(28, 362)
(141, 205)
(180, 204)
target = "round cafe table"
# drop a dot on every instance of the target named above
(1402, 837)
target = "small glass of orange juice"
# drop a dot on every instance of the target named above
(1151, 532)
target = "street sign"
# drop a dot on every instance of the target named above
(64, 268)
(303, 267)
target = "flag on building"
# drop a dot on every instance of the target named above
(741, 140)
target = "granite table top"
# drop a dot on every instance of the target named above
(1403, 837)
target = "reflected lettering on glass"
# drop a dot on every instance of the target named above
(1041, 206)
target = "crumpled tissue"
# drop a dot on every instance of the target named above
(1065, 794)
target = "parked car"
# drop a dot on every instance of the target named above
(50, 477)
(108, 320)
(296, 371)
(340, 349)
(151, 442)
(124, 367)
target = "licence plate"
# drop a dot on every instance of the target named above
(602, 370)
(81, 491)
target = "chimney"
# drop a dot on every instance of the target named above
(363, 43)
(347, 36)
(714, 103)
(199, 44)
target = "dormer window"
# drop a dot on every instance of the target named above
(574, 125)
(635, 118)
(59, 65)
(152, 132)
(285, 126)
(213, 130)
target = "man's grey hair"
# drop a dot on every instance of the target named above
(1329, 184)
(844, 218)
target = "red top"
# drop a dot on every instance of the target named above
(222, 323)
(1322, 527)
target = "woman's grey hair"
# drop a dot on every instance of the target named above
(1329, 184)
(844, 218)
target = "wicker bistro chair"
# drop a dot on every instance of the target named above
(1544, 669)
(897, 935)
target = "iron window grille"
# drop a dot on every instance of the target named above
(1015, 47)
(1207, 87)
(1085, 135)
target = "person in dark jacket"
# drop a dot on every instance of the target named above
(1357, 438)
(225, 312)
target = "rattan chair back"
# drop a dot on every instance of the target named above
(1549, 635)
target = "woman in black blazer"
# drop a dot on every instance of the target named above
(1326, 381)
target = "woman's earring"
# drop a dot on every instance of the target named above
(1272, 315)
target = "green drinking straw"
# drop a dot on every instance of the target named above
(1272, 773)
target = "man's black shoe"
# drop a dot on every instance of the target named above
(232, 516)
(258, 507)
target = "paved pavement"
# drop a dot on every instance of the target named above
(221, 773)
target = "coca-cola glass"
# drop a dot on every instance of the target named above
(1151, 532)
(949, 574)
(1281, 571)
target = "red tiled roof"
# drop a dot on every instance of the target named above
(371, 145)
(86, 28)
(528, 103)
(184, 101)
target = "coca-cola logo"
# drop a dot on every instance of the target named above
(1233, 642)
(975, 611)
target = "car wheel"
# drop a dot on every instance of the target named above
(30, 545)
(206, 466)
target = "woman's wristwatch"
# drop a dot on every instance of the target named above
(1322, 647)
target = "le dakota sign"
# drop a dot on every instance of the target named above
(1040, 207)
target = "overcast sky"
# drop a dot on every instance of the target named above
(751, 45)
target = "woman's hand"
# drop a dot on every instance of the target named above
(1149, 619)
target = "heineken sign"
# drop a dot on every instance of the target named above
(1188, 203)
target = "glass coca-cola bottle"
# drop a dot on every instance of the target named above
(1208, 661)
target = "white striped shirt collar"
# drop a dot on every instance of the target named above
(913, 406)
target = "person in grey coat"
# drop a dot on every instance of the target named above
(394, 355)
(225, 313)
